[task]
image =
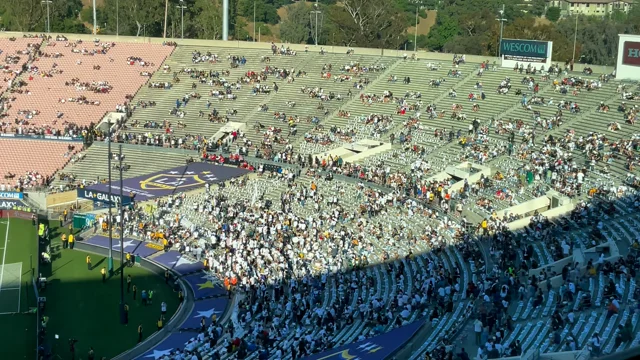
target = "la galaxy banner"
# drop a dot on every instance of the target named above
(376, 348)
(172, 181)
(103, 197)
(10, 204)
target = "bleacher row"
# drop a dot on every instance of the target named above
(123, 82)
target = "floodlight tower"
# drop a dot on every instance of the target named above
(502, 20)
(316, 12)
(182, 6)
(48, 18)
(225, 20)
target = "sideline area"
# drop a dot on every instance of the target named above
(81, 307)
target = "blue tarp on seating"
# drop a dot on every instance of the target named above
(205, 309)
(166, 346)
(181, 264)
(375, 348)
(171, 181)
(136, 247)
(204, 285)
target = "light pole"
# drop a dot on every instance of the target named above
(110, 222)
(122, 312)
(575, 38)
(48, 18)
(502, 20)
(254, 20)
(260, 28)
(316, 12)
(117, 18)
(95, 19)
(182, 6)
(415, 33)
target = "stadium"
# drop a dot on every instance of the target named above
(303, 201)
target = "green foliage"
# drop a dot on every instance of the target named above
(69, 25)
(264, 11)
(207, 22)
(537, 7)
(553, 14)
(296, 28)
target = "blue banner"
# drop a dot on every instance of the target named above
(180, 264)
(205, 309)
(10, 204)
(375, 348)
(525, 50)
(103, 197)
(172, 181)
(11, 195)
(43, 137)
(136, 247)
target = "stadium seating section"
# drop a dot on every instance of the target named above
(324, 102)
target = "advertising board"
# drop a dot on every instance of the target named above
(525, 52)
(631, 53)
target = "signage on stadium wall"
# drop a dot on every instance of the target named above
(631, 53)
(528, 51)
(11, 195)
(42, 137)
(103, 197)
(10, 204)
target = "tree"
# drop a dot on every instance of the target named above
(23, 15)
(207, 22)
(137, 16)
(379, 23)
(296, 28)
(265, 12)
(537, 7)
(553, 13)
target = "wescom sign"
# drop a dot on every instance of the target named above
(631, 53)
(525, 50)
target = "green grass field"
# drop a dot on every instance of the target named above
(18, 241)
(79, 304)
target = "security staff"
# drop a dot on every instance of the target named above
(103, 271)
(72, 241)
(88, 262)
(140, 333)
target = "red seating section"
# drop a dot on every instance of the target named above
(44, 93)
(33, 156)
(13, 48)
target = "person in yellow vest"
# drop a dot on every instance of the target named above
(128, 259)
(72, 241)
(103, 272)
(64, 215)
(88, 262)
(484, 225)
(160, 322)
(65, 243)
(71, 228)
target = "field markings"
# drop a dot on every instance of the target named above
(4, 253)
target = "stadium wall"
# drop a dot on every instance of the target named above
(444, 57)
(628, 66)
